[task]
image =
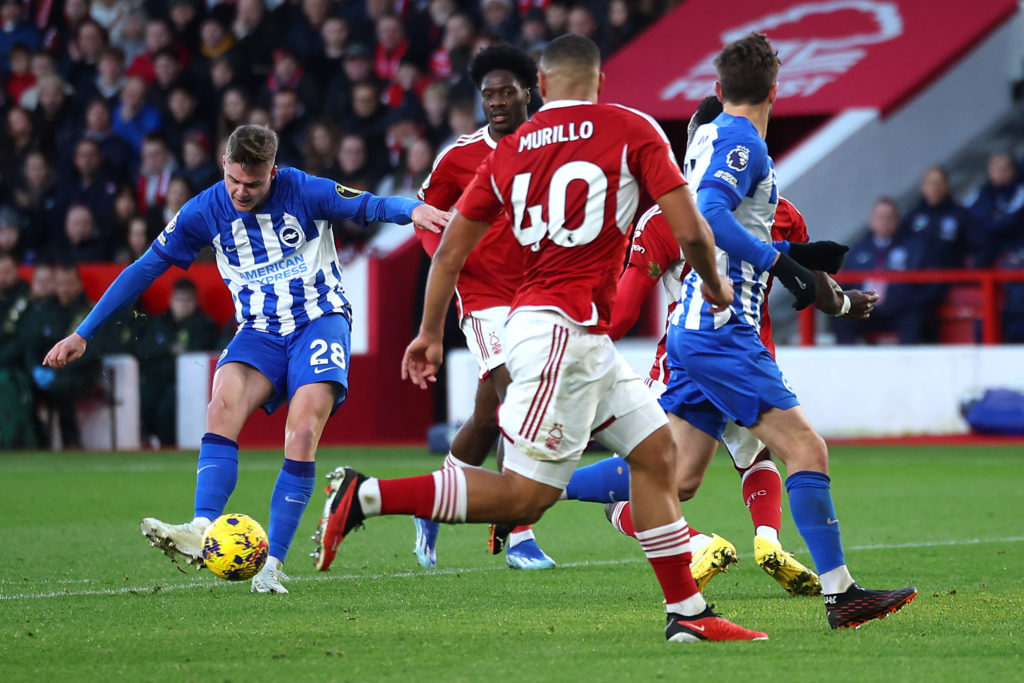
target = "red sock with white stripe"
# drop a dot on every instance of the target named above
(519, 533)
(440, 496)
(762, 494)
(668, 550)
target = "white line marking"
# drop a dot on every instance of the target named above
(211, 582)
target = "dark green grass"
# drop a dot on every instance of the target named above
(82, 596)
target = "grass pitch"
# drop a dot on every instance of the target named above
(82, 595)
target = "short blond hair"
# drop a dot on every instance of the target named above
(251, 146)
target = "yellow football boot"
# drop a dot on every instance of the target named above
(784, 568)
(712, 559)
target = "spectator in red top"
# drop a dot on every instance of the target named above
(453, 55)
(159, 36)
(406, 90)
(438, 13)
(391, 47)
(43, 65)
(155, 171)
(21, 77)
(60, 34)
(288, 74)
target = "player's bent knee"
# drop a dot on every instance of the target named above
(301, 440)
(223, 416)
(653, 456)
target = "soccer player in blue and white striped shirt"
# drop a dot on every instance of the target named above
(270, 229)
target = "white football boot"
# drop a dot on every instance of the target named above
(269, 579)
(177, 541)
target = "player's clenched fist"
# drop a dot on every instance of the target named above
(65, 351)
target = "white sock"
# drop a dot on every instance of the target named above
(201, 523)
(369, 497)
(451, 461)
(689, 607)
(836, 580)
(768, 533)
(518, 537)
(698, 541)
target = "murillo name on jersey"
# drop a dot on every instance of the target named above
(560, 133)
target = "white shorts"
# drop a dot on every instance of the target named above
(567, 385)
(743, 446)
(485, 336)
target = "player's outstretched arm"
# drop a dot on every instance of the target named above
(370, 207)
(698, 244)
(132, 281)
(424, 354)
(852, 304)
(426, 217)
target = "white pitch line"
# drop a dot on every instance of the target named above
(211, 582)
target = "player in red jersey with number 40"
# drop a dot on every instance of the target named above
(569, 180)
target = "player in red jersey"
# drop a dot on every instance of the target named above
(506, 77)
(569, 181)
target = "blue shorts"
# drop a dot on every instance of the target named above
(316, 352)
(720, 375)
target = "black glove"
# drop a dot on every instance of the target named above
(801, 283)
(824, 255)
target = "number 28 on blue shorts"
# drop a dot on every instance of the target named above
(315, 352)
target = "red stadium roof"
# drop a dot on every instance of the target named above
(836, 54)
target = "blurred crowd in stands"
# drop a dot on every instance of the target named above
(985, 231)
(115, 112)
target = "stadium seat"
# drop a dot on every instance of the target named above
(960, 315)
